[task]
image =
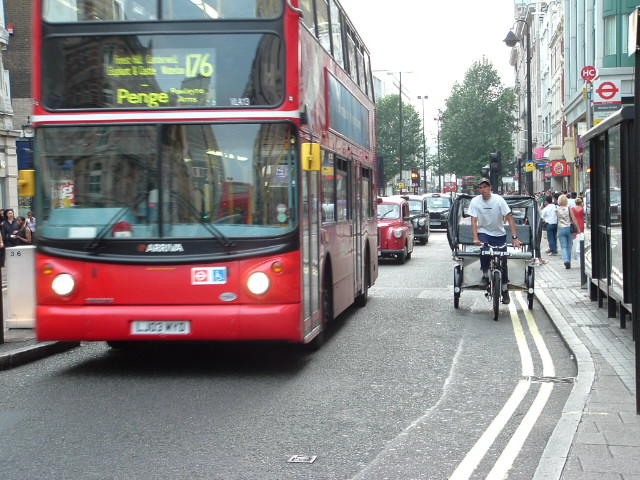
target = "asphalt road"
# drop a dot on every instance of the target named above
(405, 388)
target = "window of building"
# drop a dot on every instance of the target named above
(95, 178)
(615, 34)
(610, 35)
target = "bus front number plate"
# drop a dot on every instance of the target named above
(153, 327)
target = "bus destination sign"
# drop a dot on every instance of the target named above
(139, 79)
(161, 71)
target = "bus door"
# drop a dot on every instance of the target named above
(356, 188)
(310, 251)
(343, 249)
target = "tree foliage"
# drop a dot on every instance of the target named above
(388, 131)
(479, 119)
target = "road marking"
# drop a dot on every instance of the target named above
(473, 458)
(479, 450)
(514, 446)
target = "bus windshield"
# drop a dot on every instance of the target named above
(136, 10)
(180, 181)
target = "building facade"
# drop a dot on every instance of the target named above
(8, 133)
(566, 38)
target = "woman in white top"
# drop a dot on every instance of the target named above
(31, 222)
(565, 235)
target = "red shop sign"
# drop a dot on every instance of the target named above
(559, 168)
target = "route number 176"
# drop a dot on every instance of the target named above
(198, 64)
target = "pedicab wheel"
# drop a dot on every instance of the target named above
(496, 291)
(531, 277)
(457, 285)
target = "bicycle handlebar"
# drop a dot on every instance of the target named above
(494, 250)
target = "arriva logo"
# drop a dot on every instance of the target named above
(160, 248)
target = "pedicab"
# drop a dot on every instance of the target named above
(520, 261)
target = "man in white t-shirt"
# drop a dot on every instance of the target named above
(488, 213)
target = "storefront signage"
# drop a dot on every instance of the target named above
(559, 168)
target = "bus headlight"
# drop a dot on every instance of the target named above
(422, 221)
(258, 283)
(397, 233)
(63, 284)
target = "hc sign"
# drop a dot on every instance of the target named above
(588, 73)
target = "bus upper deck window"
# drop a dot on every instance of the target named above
(63, 11)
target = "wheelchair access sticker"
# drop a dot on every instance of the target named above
(208, 276)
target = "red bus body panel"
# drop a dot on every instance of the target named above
(108, 297)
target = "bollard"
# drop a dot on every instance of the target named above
(1, 308)
(583, 274)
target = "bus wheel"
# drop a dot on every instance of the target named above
(361, 300)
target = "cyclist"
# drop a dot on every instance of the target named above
(488, 214)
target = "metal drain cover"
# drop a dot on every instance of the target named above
(302, 459)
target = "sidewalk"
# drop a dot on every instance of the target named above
(598, 436)
(20, 346)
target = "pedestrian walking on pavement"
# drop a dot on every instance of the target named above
(550, 218)
(23, 237)
(31, 222)
(577, 214)
(9, 229)
(565, 234)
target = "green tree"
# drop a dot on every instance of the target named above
(479, 119)
(388, 131)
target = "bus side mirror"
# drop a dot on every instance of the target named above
(310, 153)
(26, 183)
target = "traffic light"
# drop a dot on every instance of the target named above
(485, 171)
(495, 163)
(495, 168)
(26, 183)
(415, 177)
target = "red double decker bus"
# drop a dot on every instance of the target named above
(205, 169)
(450, 187)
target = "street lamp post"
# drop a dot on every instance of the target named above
(437, 119)
(511, 41)
(400, 127)
(424, 147)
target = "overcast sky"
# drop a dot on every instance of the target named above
(436, 40)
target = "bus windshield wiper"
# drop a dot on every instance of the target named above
(217, 234)
(97, 240)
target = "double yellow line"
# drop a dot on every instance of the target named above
(513, 448)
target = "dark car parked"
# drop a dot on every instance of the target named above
(419, 217)
(438, 205)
